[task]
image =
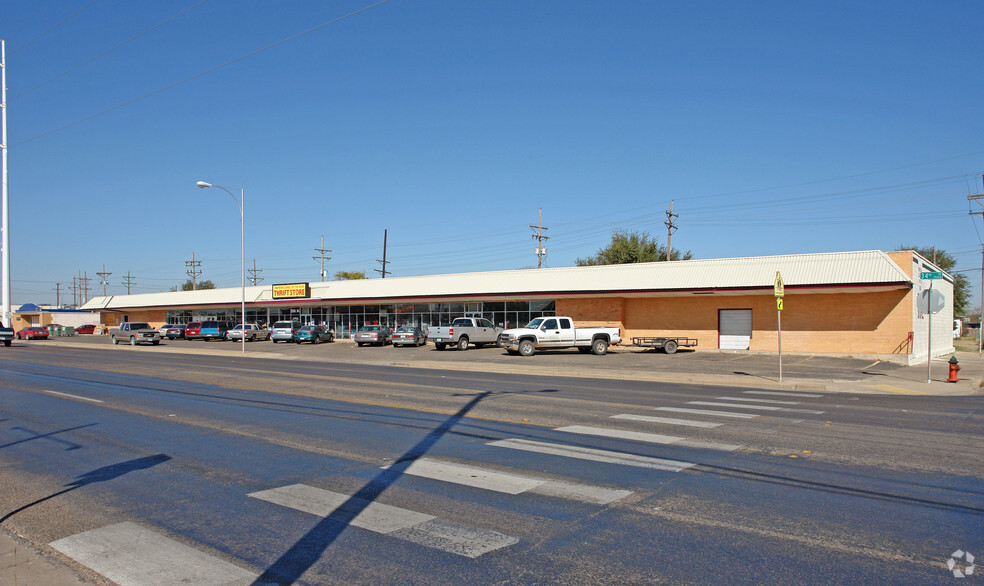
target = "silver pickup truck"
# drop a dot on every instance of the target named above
(551, 333)
(463, 333)
(135, 332)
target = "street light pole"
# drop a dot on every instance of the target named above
(242, 251)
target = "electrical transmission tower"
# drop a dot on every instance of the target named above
(539, 237)
(670, 229)
(103, 279)
(193, 272)
(254, 274)
(383, 271)
(129, 282)
(322, 259)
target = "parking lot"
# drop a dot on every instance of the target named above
(707, 366)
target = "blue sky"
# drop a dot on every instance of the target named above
(774, 127)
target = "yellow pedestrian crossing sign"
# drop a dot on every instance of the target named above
(779, 286)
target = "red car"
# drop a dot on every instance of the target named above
(86, 329)
(193, 330)
(33, 333)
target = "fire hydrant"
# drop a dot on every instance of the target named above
(954, 367)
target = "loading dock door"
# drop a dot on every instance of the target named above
(734, 329)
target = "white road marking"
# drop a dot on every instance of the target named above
(512, 483)
(653, 438)
(713, 404)
(667, 420)
(594, 455)
(784, 394)
(129, 554)
(707, 412)
(72, 396)
(750, 399)
(404, 524)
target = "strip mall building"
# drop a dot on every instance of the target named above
(867, 303)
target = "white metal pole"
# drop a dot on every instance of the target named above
(929, 341)
(5, 227)
(242, 258)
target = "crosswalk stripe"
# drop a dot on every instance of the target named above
(594, 455)
(771, 401)
(512, 483)
(73, 396)
(405, 524)
(783, 394)
(707, 412)
(714, 404)
(667, 420)
(131, 555)
(759, 407)
(654, 438)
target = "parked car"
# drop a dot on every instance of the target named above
(253, 333)
(193, 330)
(314, 334)
(283, 331)
(213, 330)
(163, 330)
(33, 333)
(409, 335)
(175, 332)
(379, 335)
(85, 329)
(6, 335)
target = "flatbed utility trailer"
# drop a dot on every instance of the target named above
(668, 345)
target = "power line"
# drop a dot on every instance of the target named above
(56, 25)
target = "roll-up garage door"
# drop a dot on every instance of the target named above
(734, 329)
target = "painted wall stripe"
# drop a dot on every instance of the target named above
(131, 555)
(593, 455)
(405, 524)
(667, 420)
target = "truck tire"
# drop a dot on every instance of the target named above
(115, 341)
(156, 342)
(439, 345)
(463, 343)
(527, 348)
(7, 343)
(133, 341)
(670, 347)
(599, 346)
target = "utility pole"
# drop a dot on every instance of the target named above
(103, 280)
(129, 282)
(75, 291)
(323, 259)
(980, 329)
(193, 272)
(4, 206)
(254, 274)
(83, 287)
(539, 237)
(670, 229)
(58, 295)
(383, 271)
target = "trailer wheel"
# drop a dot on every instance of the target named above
(599, 346)
(670, 347)
(527, 348)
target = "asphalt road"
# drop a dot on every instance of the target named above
(153, 468)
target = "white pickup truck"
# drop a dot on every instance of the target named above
(464, 332)
(557, 332)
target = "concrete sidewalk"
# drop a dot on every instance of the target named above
(22, 564)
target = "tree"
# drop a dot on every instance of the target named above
(945, 260)
(350, 275)
(629, 247)
(187, 286)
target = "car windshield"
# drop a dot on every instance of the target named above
(139, 326)
(307, 329)
(239, 327)
(534, 324)
(369, 329)
(405, 330)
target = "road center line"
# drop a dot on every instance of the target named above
(72, 396)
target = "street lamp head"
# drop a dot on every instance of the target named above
(203, 185)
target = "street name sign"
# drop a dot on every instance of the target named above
(931, 276)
